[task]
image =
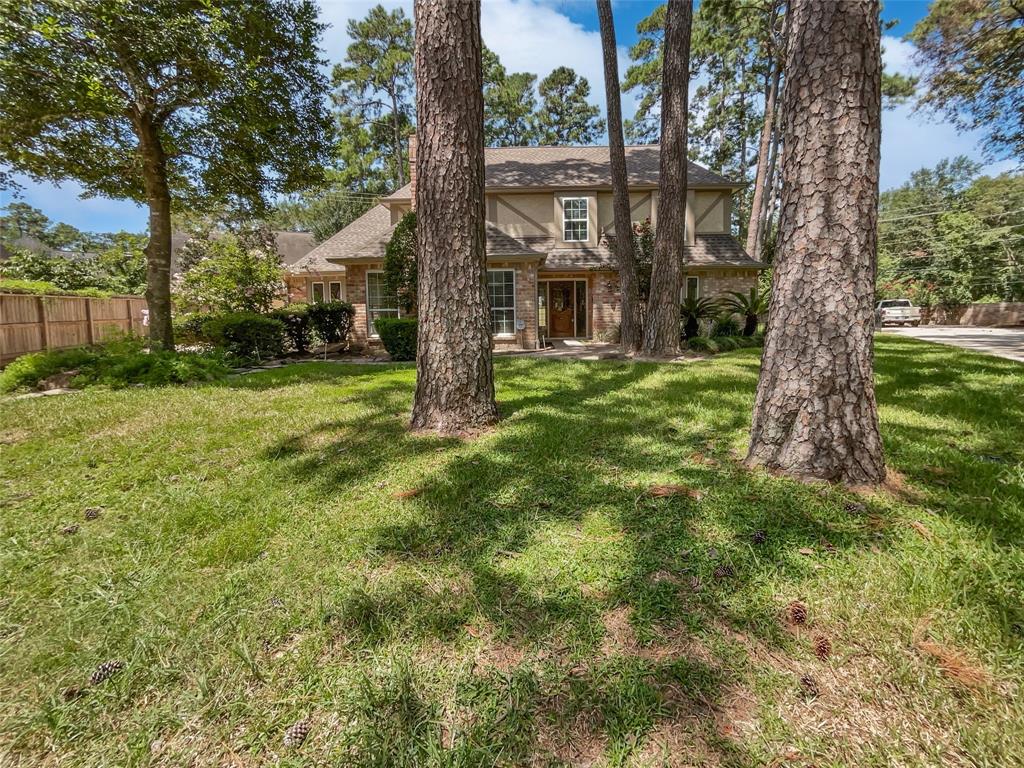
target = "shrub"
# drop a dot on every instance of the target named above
(692, 311)
(116, 364)
(728, 343)
(331, 320)
(398, 335)
(246, 335)
(43, 288)
(189, 328)
(297, 327)
(702, 344)
(725, 325)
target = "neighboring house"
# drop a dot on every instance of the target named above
(551, 272)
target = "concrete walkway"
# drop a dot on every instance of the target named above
(1001, 342)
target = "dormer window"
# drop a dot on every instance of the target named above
(575, 219)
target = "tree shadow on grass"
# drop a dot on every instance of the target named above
(604, 615)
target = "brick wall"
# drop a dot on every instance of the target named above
(355, 292)
(605, 305)
(716, 282)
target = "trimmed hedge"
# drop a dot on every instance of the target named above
(398, 335)
(43, 288)
(297, 326)
(331, 320)
(246, 334)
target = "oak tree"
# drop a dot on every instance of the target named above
(169, 103)
(815, 414)
(454, 374)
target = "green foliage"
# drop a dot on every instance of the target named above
(973, 67)
(750, 305)
(948, 236)
(714, 344)
(400, 273)
(374, 96)
(692, 310)
(565, 116)
(117, 364)
(43, 288)
(398, 335)
(509, 104)
(297, 327)
(323, 211)
(189, 327)
(229, 272)
(724, 325)
(246, 335)
(331, 320)
(643, 248)
(84, 85)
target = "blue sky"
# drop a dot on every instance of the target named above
(539, 35)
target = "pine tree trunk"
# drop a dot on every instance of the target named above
(764, 150)
(454, 376)
(661, 333)
(815, 414)
(158, 249)
(397, 138)
(630, 329)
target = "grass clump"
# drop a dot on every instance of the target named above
(116, 365)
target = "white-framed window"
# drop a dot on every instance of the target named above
(501, 290)
(316, 292)
(692, 288)
(575, 219)
(335, 291)
(378, 302)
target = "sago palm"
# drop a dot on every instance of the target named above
(750, 305)
(693, 310)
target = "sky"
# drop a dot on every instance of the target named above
(540, 35)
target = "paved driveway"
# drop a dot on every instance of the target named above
(1002, 342)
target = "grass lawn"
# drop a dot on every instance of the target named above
(280, 548)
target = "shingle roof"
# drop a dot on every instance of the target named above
(371, 226)
(560, 167)
(499, 244)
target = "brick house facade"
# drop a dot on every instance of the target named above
(551, 266)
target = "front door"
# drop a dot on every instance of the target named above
(562, 306)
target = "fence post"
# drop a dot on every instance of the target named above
(45, 322)
(91, 335)
(131, 319)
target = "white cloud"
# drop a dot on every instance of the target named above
(897, 55)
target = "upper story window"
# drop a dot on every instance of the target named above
(575, 219)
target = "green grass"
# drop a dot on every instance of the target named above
(255, 563)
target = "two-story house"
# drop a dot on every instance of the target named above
(551, 272)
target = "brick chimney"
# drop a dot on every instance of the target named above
(412, 169)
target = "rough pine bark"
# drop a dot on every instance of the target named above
(158, 249)
(815, 414)
(454, 375)
(630, 329)
(661, 333)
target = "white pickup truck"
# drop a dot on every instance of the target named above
(897, 312)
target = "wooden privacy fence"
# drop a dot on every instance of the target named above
(34, 323)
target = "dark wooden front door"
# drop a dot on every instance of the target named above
(561, 300)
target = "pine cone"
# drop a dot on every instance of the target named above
(276, 602)
(797, 612)
(70, 530)
(809, 686)
(855, 508)
(105, 671)
(297, 733)
(822, 647)
(724, 571)
(92, 513)
(759, 537)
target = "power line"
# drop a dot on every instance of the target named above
(936, 213)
